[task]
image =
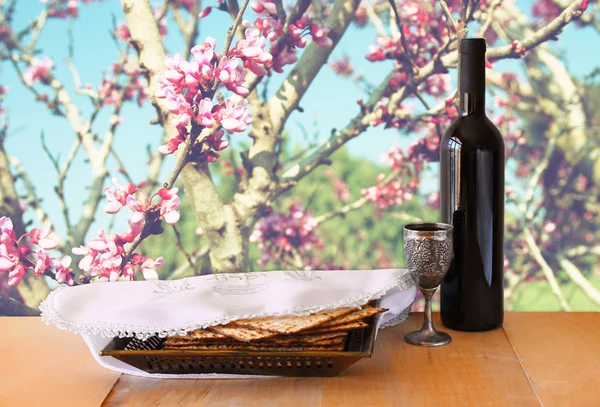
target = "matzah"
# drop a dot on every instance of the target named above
(242, 333)
(257, 348)
(354, 316)
(338, 328)
(291, 324)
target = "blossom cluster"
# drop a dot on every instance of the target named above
(38, 70)
(404, 185)
(189, 85)
(64, 8)
(341, 188)
(282, 236)
(424, 31)
(284, 45)
(106, 256)
(19, 255)
(3, 91)
(111, 91)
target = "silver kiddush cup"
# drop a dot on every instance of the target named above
(428, 251)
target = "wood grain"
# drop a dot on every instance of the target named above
(260, 392)
(560, 353)
(476, 369)
(44, 366)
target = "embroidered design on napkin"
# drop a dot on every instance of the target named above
(302, 275)
(238, 283)
(170, 286)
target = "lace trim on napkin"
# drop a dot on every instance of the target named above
(143, 332)
(398, 319)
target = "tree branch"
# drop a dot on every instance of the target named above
(338, 138)
(548, 273)
(578, 278)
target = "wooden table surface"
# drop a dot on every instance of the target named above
(549, 359)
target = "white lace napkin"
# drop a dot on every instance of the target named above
(101, 311)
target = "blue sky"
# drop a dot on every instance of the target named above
(329, 103)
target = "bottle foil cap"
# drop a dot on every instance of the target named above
(473, 46)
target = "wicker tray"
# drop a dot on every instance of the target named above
(148, 356)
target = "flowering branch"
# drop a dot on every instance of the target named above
(518, 48)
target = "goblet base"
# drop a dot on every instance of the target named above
(428, 338)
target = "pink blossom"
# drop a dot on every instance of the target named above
(264, 7)
(204, 115)
(63, 273)
(342, 67)
(216, 142)
(42, 262)
(8, 258)
(295, 34)
(149, 267)
(136, 225)
(38, 70)
(205, 52)
(280, 236)
(117, 197)
(286, 57)
(269, 27)
(172, 145)
(43, 238)
(85, 264)
(16, 275)
(122, 32)
(319, 35)
(233, 118)
(168, 209)
(231, 74)
(205, 12)
(252, 51)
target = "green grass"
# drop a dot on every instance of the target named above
(537, 296)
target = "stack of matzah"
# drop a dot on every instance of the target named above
(325, 330)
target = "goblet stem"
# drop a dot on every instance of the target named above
(428, 321)
(428, 336)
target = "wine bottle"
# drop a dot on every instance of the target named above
(472, 200)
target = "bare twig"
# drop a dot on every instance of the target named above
(59, 189)
(179, 245)
(546, 269)
(32, 199)
(489, 17)
(375, 20)
(579, 279)
(448, 15)
(407, 52)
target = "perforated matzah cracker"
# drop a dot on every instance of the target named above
(338, 328)
(242, 333)
(354, 316)
(306, 338)
(258, 348)
(324, 342)
(291, 324)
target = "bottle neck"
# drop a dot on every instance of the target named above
(472, 83)
(472, 103)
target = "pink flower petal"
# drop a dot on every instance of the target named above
(47, 244)
(6, 264)
(171, 217)
(149, 274)
(113, 207)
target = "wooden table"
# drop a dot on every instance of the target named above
(549, 359)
